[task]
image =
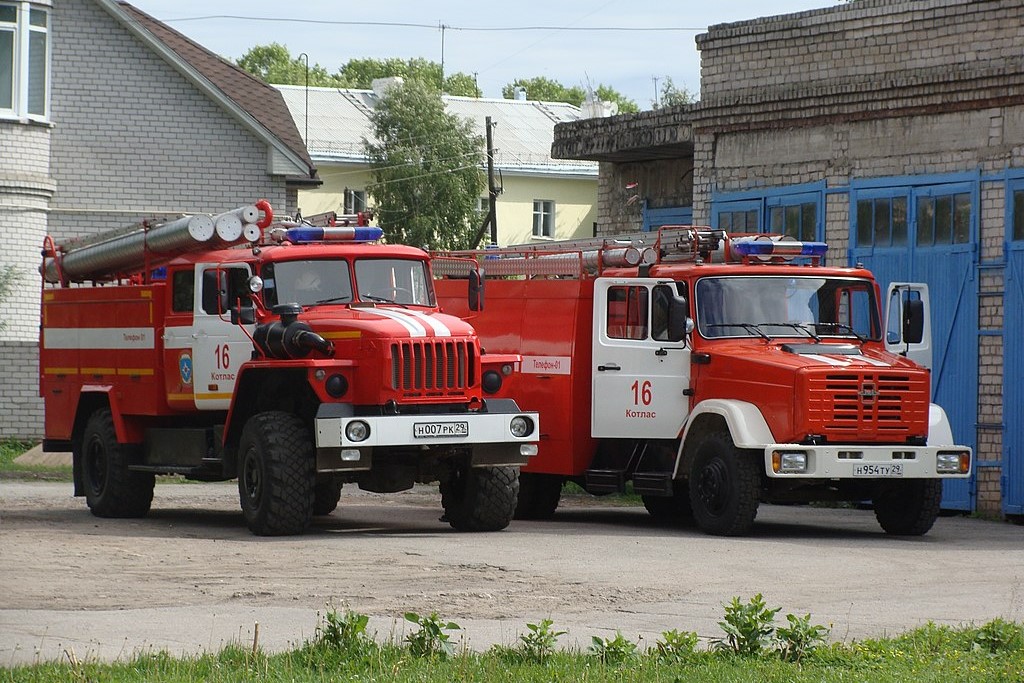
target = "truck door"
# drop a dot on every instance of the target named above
(639, 376)
(902, 296)
(218, 347)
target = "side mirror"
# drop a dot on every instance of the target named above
(679, 324)
(244, 314)
(476, 290)
(913, 321)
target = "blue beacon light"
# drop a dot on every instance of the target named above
(313, 234)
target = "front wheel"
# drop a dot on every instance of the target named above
(725, 486)
(276, 474)
(111, 489)
(480, 498)
(908, 508)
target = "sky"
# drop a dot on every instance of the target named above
(574, 52)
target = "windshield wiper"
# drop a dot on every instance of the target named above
(749, 327)
(333, 299)
(381, 299)
(844, 326)
(798, 326)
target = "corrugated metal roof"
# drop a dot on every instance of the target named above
(339, 119)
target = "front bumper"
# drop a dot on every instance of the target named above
(487, 435)
(865, 462)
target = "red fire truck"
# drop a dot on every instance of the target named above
(295, 358)
(714, 372)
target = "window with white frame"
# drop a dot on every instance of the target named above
(24, 60)
(543, 218)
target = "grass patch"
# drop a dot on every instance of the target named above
(926, 654)
(10, 449)
(626, 499)
(341, 650)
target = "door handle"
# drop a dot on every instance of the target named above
(609, 366)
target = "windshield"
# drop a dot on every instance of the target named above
(400, 281)
(307, 282)
(769, 306)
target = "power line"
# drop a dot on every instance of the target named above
(435, 27)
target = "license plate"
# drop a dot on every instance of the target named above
(876, 470)
(427, 430)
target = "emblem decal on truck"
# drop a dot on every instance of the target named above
(185, 368)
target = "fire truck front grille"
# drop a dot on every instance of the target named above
(868, 406)
(432, 366)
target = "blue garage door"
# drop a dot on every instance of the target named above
(927, 233)
(1013, 355)
(671, 215)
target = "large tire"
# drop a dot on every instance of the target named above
(326, 494)
(276, 474)
(908, 508)
(111, 489)
(480, 498)
(538, 495)
(725, 486)
(675, 508)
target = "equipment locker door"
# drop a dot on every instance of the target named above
(218, 347)
(638, 376)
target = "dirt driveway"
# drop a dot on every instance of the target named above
(190, 577)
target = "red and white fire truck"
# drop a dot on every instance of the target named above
(295, 358)
(714, 372)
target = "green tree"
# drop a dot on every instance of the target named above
(426, 166)
(274, 64)
(359, 73)
(606, 93)
(544, 89)
(671, 96)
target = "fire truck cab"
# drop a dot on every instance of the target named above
(714, 372)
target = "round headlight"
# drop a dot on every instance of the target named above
(255, 284)
(521, 426)
(491, 382)
(357, 431)
(336, 385)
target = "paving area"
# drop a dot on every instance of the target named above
(190, 577)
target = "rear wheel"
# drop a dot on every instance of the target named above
(111, 489)
(725, 486)
(326, 494)
(674, 508)
(908, 508)
(276, 474)
(480, 498)
(538, 495)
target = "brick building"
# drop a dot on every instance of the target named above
(892, 129)
(108, 116)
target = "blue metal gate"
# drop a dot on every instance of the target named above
(949, 269)
(1013, 381)
(671, 215)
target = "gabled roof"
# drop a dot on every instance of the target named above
(256, 104)
(339, 120)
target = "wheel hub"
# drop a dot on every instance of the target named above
(712, 486)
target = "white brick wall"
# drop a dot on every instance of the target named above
(131, 136)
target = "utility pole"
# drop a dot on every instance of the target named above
(492, 191)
